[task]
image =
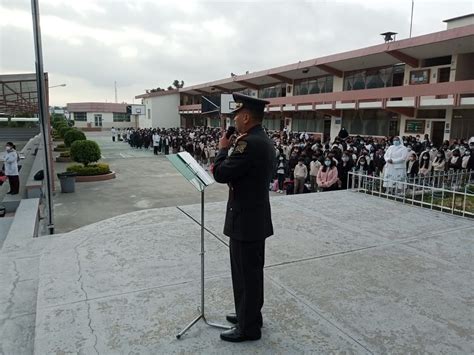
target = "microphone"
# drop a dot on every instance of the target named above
(230, 131)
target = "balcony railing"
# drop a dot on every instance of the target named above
(455, 88)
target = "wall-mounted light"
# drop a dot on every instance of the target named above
(305, 70)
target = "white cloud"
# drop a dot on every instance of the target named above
(148, 43)
(128, 52)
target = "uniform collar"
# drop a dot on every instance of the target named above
(254, 129)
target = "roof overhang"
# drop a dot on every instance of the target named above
(19, 93)
(410, 51)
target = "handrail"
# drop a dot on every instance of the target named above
(449, 192)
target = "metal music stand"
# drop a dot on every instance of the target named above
(200, 179)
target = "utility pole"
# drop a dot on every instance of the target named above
(411, 21)
(115, 83)
(43, 112)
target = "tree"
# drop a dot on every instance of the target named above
(85, 152)
(177, 84)
(158, 89)
(73, 135)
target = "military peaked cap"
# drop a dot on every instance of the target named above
(251, 103)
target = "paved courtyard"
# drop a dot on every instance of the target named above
(143, 181)
(345, 274)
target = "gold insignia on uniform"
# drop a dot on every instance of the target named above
(240, 147)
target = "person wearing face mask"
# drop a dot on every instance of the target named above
(11, 168)
(447, 153)
(314, 167)
(343, 168)
(327, 177)
(438, 167)
(467, 157)
(282, 171)
(362, 167)
(379, 162)
(455, 162)
(413, 166)
(425, 164)
(301, 173)
(395, 168)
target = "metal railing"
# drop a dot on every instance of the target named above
(450, 192)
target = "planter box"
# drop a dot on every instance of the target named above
(56, 149)
(92, 178)
(63, 160)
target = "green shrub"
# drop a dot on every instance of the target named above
(64, 130)
(93, 169)
(58, 124)
(65, 154)
(72, 136)
(85, 152)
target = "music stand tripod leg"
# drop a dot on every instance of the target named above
(202, 282)
(189, 326)
(202, 269)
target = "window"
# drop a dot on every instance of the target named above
(463, 124)
(368, 122)
(314, 86)
(80, 116)
(371, 78)
(149, 113)
(272, 91)
(121, 117)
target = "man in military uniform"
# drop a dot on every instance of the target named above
(248, 171)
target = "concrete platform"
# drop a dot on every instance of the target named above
(346, 273)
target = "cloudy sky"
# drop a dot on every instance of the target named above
(141, 44)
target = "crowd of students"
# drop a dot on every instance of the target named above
(306, 163)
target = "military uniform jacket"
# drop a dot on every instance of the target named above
(248, 171)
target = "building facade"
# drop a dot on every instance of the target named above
(99, 115)
(421, 85)
(161, 109)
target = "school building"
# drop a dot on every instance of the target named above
(99, 115)
(420, 85)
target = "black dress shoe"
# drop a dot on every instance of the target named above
(232, 318)
(234, 335)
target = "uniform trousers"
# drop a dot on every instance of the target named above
(247, 260)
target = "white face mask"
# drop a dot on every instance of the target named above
(8, 148)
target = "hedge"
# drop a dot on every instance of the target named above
(93, 169)
(72, 136)
(85, 152)
(64, 130)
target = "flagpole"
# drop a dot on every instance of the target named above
(411, 21)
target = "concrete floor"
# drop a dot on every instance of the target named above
(345, 273)
(143, 181)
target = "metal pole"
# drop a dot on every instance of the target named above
(202, 252)
(43, 111)
(411, 21)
